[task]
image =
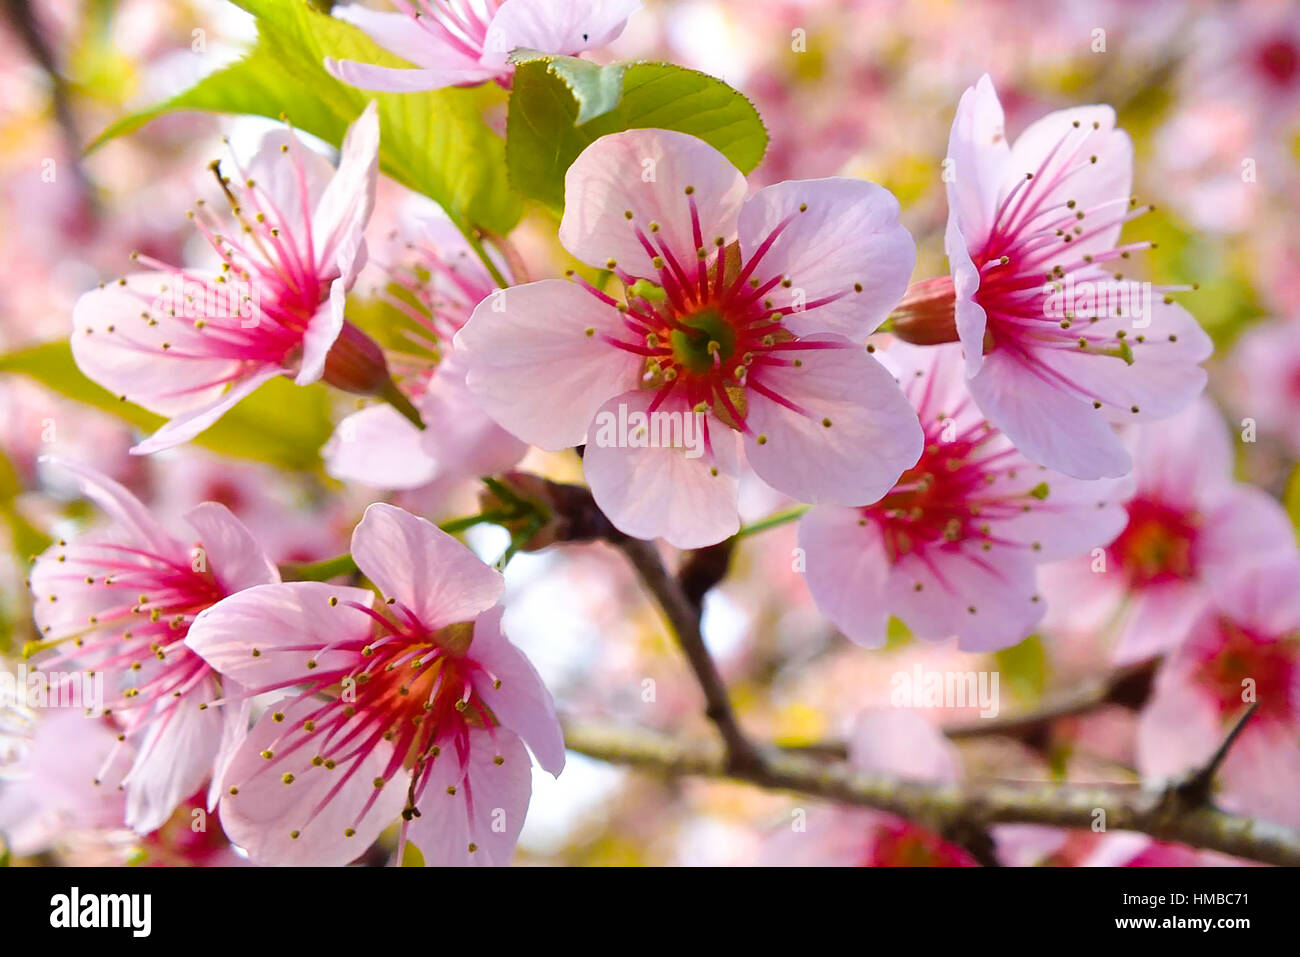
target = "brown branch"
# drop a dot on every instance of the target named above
(684, 617)
(949, 809)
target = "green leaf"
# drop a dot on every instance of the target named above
(561, 104)
(1024, 666)
(281, 423)
(596, 88)
(1291, 499)
(434, 142)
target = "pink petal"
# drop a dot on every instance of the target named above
(186, 425)
(122, 507)
(233, 554)
(461, 438)
(266, 812)
(522, 702)
(847, 572)
(1047, 425)
(978, 161)
(379, 447)
(1178, 730)
(1186, 458)
(283, 169)
(668, 492)
(322, 332)
(1159, 619)
(1243, 526)
(131, 360)
(533, 367)
(1163, 378)
(555, 26)
(428, 571)
(401, 34)
(872, 438)
(1109, 181)
(179, 751)
(898, 743)
(276, 621)
(339, 221)
(969, 315)
(488, 808)
(647, 172)
(842, 238)
(386, 79)
(999, 585)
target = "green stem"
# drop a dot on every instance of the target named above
(773, 520)
(398, 400)
(476, 244)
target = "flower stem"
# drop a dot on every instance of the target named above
(773, 520)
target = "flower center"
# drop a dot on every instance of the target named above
(951, 495)
(1158, 544)
(707, 328)
(1235, 661)
(704, 342)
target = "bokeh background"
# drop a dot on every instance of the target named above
(1210, 93)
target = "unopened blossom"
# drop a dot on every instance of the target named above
(467, 42)
(952, 548)
(189, 344)
(890, 742)
(378, 446)
(739, 317)
(1243, 649)
(1058, 348)
(120, 603)
(416, 708)
(1190, 527)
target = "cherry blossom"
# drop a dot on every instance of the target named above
(1190, 526)
(418, 708)
(121, 603)
(190, 345)
(951, 549)
(743, 317)
(1057, 347)
(1243, 648)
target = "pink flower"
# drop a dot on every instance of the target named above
(1057, 348)
(417, 709)
(952, 548)
(1190, 527)
(464, 43)
(1243, 648)
(741, 317)
(897, 743)
(189, 346)
(1266, 376)
(48, 793)
(121, 604)
(380, 447)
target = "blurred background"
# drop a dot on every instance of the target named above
(1210, 93)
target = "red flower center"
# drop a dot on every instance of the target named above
(1158, 544)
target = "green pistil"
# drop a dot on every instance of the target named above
(706, 334)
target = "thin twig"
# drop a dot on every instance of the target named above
(948, 809)
(684, 617)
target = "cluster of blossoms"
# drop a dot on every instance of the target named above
(977, 452)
